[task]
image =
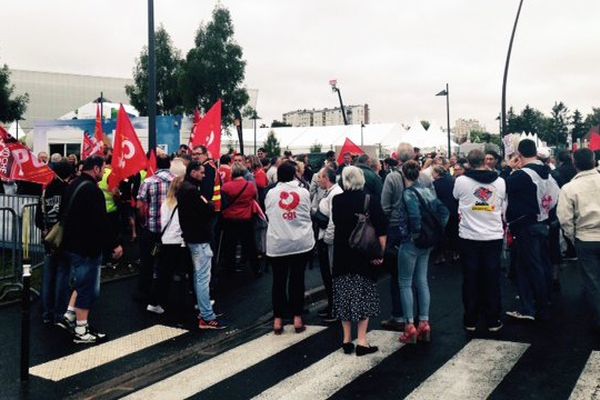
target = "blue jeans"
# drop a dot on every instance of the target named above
(85, 279)
(533, 269)
(412, 264)
(55, 287)
(201, 259)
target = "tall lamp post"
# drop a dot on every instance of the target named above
(334, 88)
(362, 126)
(510, 44)
(151, 79)
(254, 118)
(447, 94)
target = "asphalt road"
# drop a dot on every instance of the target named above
(167, 360)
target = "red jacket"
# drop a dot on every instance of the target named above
(260, 177)
(241, 208)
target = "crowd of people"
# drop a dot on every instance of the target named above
(193, 214)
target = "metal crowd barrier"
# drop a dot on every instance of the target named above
(19, 239)
(10, 265)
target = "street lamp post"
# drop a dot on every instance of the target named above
(447, 94)
(510, 44)
(362, 125)
(254, 118)
(151, 79)
(334, 88)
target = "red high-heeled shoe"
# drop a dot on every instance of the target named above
(410, 335)
(424, 332)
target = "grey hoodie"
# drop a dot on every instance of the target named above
(391, 195)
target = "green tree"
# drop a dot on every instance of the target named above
(279, 124)
(485, 137)
(168, 69)
(316, 148)
(593, 119)
(579, 128)
(558, 126)
(426, 124)
(214, 68)
(11, 108)
(271, 145)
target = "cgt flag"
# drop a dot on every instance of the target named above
(91, 146)
(595, 138)
(18, 163)
(349, 147)
(207, 132)
(128, 154)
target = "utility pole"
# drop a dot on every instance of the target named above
(151, 79)
(510, 44)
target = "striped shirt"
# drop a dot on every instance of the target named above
(152, 193)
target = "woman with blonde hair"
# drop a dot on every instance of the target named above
(171, 257)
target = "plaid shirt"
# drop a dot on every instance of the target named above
(152, 193)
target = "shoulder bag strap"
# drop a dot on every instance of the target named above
(71, 200)
(170, 219)
(367, 201)
(237, 196)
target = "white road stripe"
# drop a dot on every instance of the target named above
(322, 379)
(473, 373)
(588, 384)
(104, 353)
(221, 367)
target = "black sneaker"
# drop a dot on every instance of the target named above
(66, 324)
(496, 327)
(99, 335)
(214, 324)
(323, 313)
(329, 318)
(84, 338)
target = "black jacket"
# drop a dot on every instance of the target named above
(195, 214)
(443, 189)
(563, 174)
(208, 183)
(521, 192)
(87, 228)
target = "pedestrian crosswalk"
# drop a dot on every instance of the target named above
(474, 372)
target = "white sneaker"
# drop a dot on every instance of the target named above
(155, 309)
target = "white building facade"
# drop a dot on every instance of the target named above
(356, 115)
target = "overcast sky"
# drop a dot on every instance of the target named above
(392, 54)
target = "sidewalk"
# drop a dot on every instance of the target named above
(241, 297)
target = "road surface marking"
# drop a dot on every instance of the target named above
(588, 384)
(104, 353)
(322, 379)
(473, 373)
(204, 375)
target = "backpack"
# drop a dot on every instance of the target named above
(432, 229)
(363, 237)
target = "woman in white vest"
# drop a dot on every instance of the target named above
(289, 240)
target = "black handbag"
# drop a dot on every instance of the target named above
(363, 237)
(320, 219)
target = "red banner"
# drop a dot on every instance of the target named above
(128, 154)
(207, 131)
(349, 147)
(99, 134)
(151, 164)
(595, 141)
(19, 163)
(91, 146)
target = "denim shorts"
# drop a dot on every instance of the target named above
(85, 279)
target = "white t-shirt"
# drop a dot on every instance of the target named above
(480, 208)
(290, 227)
(172, 234)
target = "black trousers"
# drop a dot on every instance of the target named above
(148, 261)
(242, 231)
(288, 284)
(481, 280)
(588, 255)
(171, 264)
(323, 253)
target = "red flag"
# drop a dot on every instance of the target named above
(349, 147)
(19, 163)
(128, 154)
(197, 120)
(99, 134)
(91, 146)
(207, 131)
(197, 117)
(595, 141)
(151, 164)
